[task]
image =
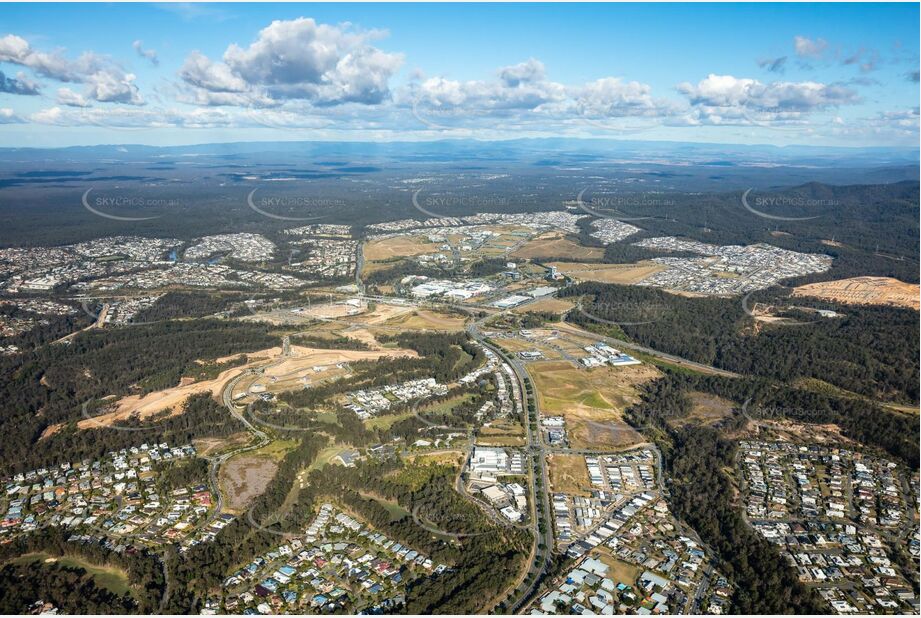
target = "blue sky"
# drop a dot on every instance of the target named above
(830, 74)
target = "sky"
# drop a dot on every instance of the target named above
(169, 74)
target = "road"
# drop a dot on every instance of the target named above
(671, 358)
(261, 440)
(540, 501)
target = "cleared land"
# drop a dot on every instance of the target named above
(591, 400)
(608, 273)
(546, 305)
(501, 433)
(397, 246)
(706, 409)
(425, 319)
(245, 477)
(291, 370)
(207, 447)
(865, 291)
(569, 474)
(555, 245)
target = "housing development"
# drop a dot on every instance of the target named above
(460, 309)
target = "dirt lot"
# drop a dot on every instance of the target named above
(397, 246)
(206, 447)
(591, 400)
(865, 291)
(299, 364)
(568, 474)
(706, 409)
(245, 477)
(517, 344)
(425, 319)
(608, 273)
(554, 245)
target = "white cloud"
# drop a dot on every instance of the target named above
(68, 97)
(722, 94)
(612, 97)
(298, 59)
(809, 48)
(104, 80)
(8, 116)
(530, 71)
(149, 54)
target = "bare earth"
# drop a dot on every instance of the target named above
(865, 291)
(301, 361)
(245, 477)
(569, 475)
(555, 244)
(608, 273)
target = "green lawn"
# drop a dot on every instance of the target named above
(111, 578)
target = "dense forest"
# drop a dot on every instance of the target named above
(173, 305)
(72, 590)
(870, 350)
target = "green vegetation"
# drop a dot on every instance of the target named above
(872, 351)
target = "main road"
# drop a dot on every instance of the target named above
(540, 501)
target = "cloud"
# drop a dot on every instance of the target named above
(809, 48)
(729, 91)
(518, 87)
(20, 84)
(8, 116)
(774, 65)
(149, 54)
(913, 76)
(865, 59)
(612, 97)
(68, 97)
(526, 72)
(891, 126)
(297, 59)
(104, 80)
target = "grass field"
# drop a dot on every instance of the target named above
(501, 433)
(386, 421)
(452, 458)
(569, 474)
(396, 511)
(706, 409)
(546, 305)
(324, 457)
(108, 577)
(608, 273)
(425, 319)
(621, 572)
(554, 245)
(591, 400)
(397, 246)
